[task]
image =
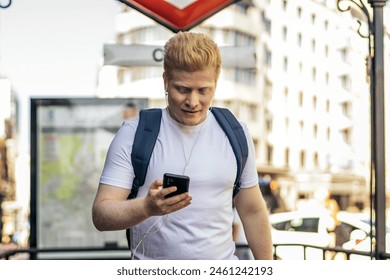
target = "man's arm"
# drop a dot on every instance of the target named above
(113, 211)
(253, 213)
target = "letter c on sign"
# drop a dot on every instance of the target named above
(158, 55)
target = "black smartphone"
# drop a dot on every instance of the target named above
(182, 183)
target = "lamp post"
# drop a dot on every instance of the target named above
(376, 64)
(6, 5)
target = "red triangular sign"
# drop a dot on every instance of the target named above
(178, 15)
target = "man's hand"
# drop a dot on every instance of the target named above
(156, 204)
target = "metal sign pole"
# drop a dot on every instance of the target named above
(379, 129)
(376, 71)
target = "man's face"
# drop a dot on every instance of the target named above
(190, 95)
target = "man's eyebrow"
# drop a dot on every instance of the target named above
(200, 87)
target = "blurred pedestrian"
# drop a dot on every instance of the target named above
(130, 112)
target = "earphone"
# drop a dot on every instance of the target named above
(166, 94)
(157, 229)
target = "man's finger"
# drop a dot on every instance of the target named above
(156, 184)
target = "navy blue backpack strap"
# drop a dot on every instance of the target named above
(144, 141)
(237, 139)
(143, 145)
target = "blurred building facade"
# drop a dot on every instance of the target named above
(307, 104)
(10, 208)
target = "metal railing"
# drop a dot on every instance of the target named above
(325, 250)
(92, 253)
(76, 253)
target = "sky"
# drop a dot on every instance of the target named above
(52, 47)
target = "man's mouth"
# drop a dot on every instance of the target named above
(190, 112)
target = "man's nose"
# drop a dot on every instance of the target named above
(192, 99)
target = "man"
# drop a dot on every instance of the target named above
(198, 224)
(130, 111)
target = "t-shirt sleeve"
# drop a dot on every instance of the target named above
(249, 176)
(118, 170)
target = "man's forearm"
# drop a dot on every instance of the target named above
(258, 234)
(119, 215)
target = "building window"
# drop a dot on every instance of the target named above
(270, 151)
(313, 45)
(147, 34)
(345, 82)
(267, 57)
(326, 51)
(300, 99)
(268, 124)
(302, 157)
(287, 124)
(237, 38)
(245, 76)
(313, 19)
(314, 103)
(286, 94)
(299, 40)
(327, 78)
(299, 12)
(344, 55)
(252, 112)
(313, 73)
(327, 106)
(346, 134)
(266, 22)
(284, 32)
(328, 134)
(346, 108)
(267, 90)
(144, 72)
(326, 25)
(284, 5)
(240, 75)
(121, 76)
(285, 64)
(315, 160)
(120, 38)
(287, 157)
(243, 7)
(315, 131)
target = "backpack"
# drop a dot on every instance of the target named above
(146, 136)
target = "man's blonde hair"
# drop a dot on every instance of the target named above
(190, 52)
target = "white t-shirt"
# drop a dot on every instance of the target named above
(202, 230)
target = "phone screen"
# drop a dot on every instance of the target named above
(182, 183)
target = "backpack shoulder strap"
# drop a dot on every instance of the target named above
(237, 139)
(143, 145)
(144, 141)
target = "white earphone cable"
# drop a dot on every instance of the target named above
(148, 232)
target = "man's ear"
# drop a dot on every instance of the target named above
(165, 81)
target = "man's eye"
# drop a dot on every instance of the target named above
(184, 90)
(203, 91)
